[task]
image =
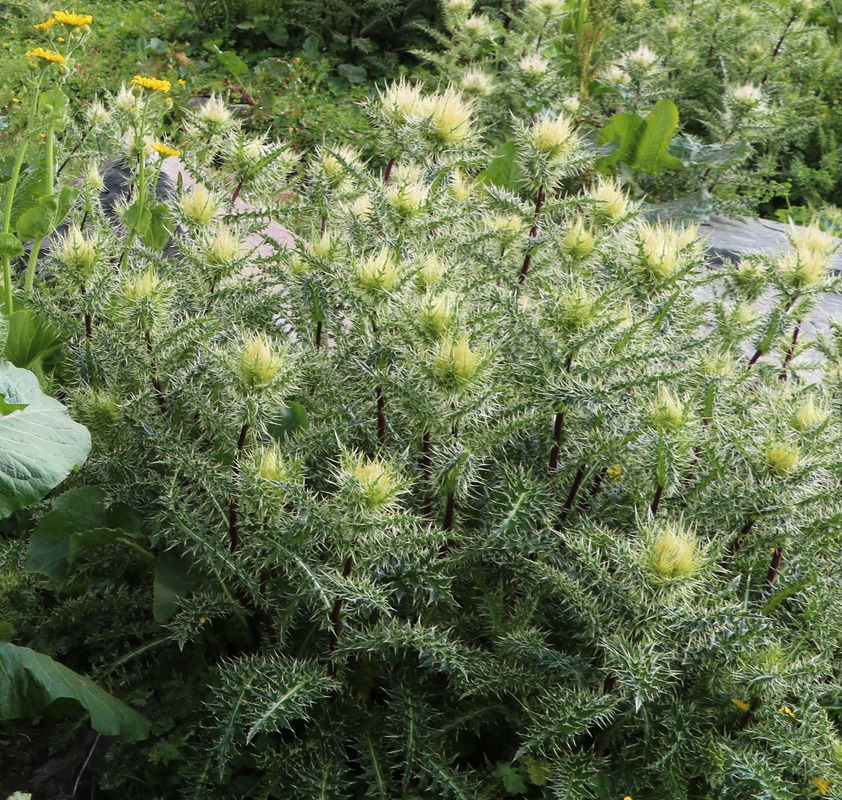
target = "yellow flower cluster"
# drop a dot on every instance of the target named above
(45, 55)
(153, 84)
(74, 20)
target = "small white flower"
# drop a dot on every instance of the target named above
(641, 58)
(533, 65)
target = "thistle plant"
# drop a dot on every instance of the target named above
(464, 490)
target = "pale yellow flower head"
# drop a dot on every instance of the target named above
(660, 247)
(456, 365)
(436, 314)
(337, 161)
(361, 207)
(258, 364)
(477, 83)
(450, 116)
(641, 58)
(571, 104)
(747, 95)
(272, 466)
(142, 287)
(379, 274)
(577, 241)
(812, 240)
(668, 413)
(323, 245)
(674, 552)
(782, 458)
(533, 66)
(807, 416)
(460, 187)
(610, 199)
(802, 269)
(617, 75)
(545, 8)
(76, 252)
(125, 100)
(477, 27)
(224, 248)
(431, 272)
(554, 137)
(199, 205)
(402, 100)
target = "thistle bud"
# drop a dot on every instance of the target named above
(668, 412)
(272, 466)
(199, 206)
(458, 8)
(802, 269)
(718, 365)
(578, 242)
(378, 274)
(373, 484)
(748, 95)
(617, 75)
(450, 117)
(214, 115)
(546, 8)
(224, 249)
(554, 137)
(813, 241)
(459, 186)
(436, 315)
(258, 364)
(337, 163)
(477, 27)
(674, 553)
(782, 458)
(97, 115)
(660, 248)
(575, 309)
(76, 253)
(142, 287)
(361, 207)
(477, 83)
(406, 198)
(298, 266)
(125, 100)
(431, 272)
(92, 180)
(807, 416)
(96, 410)
(456, 365)
(610, 200)
(571, 104)
(642, 58)
(322, 248)
(533, 66)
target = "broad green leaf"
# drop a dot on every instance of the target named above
(31, 682)
(78, 522)
(39, 445)
(287, 421)
(503, 170)
(37, 221)
(175, 577)
(31, 341)
(138, 217)
(654, 139)
(622, 131)
(353, 73)
(158, 232)
(231, 61)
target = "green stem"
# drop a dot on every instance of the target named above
(49, 173)
(7, 224)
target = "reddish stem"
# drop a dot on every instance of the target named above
(527, 261)
(336, 617)
(234, 505)
(656, 500)
(774, 565)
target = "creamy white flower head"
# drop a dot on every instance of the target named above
(406, 198)
(673, 23)
(610, 199)
(361, 207)
(802, 269)
(477, 27)
(125, 99)
(571, 104)
(199, 205)
(223, 248)
(554, 137)
(92, 179)
(476, 82)
(747, 95)
(215, 114)
(255, 149)
(545, 8)
(459, 8)
(379, 273)
(401, 100)
(508, 225)
(812, 239)
(97, 115)
(642, 57)
(322, 246)
(76, 252)
(337, 161)
(431, 272)
(617, 75)
(533, 65)
(661, 247)
(450, 116)
(460, 187)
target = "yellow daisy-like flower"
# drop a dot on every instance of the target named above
(741, 704)
(788, 710)
(823, 786)
(74, 20)
(151, 83)
(45, 55)
(60, 39)
(614, 472)
(46, 25)
(164, 150)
